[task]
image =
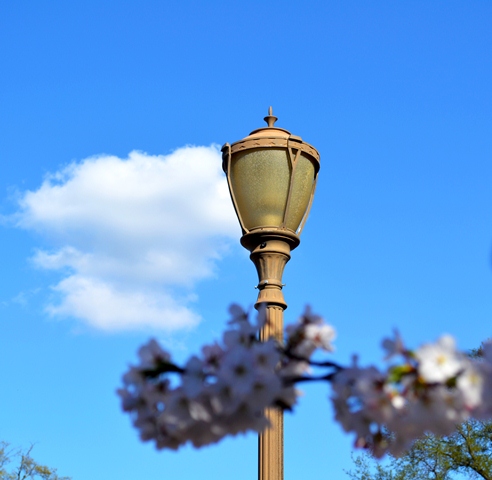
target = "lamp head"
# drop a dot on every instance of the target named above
(272, 177)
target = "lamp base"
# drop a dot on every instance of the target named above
(270, 252)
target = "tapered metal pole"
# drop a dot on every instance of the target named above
(270, 258)
(271, 442)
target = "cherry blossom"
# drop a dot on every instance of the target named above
(439, 361)
(227, 388)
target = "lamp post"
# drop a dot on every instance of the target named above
(272, 177)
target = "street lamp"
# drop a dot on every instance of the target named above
(272, 177)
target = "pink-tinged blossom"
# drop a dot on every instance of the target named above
(266, 356)
(264, 390)
(212, 357)
(237, 370)
(487, 351)
(393, 346)
(193, 377)
(321, 336)
(470, 383)
(238, 314)
(309, 334)
(151, 354)
(225, 390)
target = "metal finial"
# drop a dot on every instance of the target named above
(270, 118)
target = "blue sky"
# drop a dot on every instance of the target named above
(103, 248)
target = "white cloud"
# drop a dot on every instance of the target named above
(127, 233)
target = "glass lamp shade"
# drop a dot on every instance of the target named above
(271, 187)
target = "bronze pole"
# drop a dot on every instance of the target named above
(270, 258)
(271, 441)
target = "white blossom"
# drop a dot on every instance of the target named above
(321, 336)
(225, 390)
(438, 362)
(309, 334)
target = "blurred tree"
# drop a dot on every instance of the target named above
(17, 464)
(467, 453)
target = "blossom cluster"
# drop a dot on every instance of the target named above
(226, 389)
(431, 389)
